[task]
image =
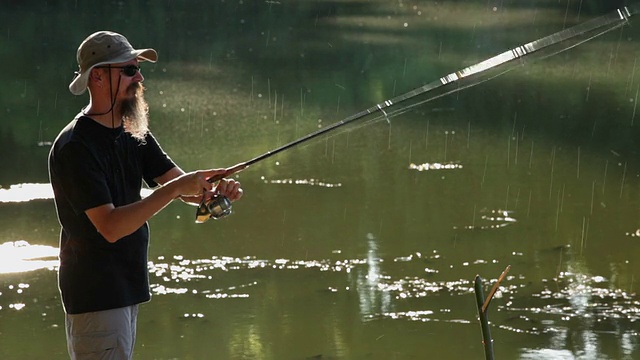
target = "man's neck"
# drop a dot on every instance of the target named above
(105, 114)
(109, 119)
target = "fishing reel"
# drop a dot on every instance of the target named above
(217, 207)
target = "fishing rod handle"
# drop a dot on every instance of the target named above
(228, 172)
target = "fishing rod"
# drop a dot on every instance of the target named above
(220, 206)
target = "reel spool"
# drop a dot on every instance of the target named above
(218, 207)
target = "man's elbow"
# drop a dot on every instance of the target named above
(103, 219)
(109, 234)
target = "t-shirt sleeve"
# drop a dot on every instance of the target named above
(83, 182)
(155, 161)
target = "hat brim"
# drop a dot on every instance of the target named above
(79, 84)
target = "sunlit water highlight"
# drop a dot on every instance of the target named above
(569, 297)
(490, 219)
(20, 256)
(385, 288)
(25, 192)
(435, 166)
(308, 182)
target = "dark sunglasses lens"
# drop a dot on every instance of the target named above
(130, 70)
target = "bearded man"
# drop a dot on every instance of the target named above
(96, 167)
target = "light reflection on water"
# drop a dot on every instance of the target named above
(435, 166)
(20, 256)
(308, 182)
(371, 283)
(571, 297)
(491, 219)
(574, 303)
(574, 295)
(25, 192)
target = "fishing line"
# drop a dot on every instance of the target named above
(470, 76)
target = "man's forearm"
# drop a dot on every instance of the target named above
(114, 223)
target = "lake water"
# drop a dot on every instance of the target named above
(362, 244)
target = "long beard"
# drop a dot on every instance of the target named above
(135, 112)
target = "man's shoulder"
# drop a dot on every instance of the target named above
(75, 133)
(64, 136)
(76, 129)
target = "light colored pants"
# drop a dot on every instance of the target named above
(102, 335)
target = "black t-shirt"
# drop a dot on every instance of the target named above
(92, 165)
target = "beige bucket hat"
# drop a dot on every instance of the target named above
(101, 48)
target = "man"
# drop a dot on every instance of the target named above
(97, 165)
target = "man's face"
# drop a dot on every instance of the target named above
(130, 97)
(129, 76)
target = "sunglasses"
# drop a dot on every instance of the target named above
(129, 70)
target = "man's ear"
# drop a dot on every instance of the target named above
(96, 76)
